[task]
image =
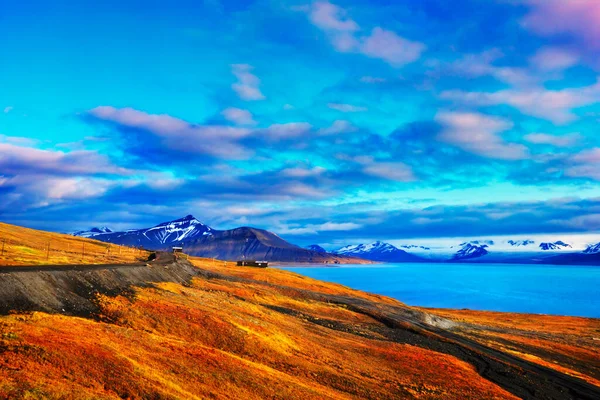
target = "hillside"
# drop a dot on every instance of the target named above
(258, 244)
(23, 246)
(209, 329)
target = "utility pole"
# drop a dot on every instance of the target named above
(48, 252)
(2, 253)
(83, 252)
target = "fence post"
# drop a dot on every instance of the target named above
(2, 253)
(83, 252)
(48, 252)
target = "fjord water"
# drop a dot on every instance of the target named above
(539, 289)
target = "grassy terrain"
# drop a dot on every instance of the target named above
(248, 333)
(221, 339)
(23, 246)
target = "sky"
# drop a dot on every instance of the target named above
(325, 122)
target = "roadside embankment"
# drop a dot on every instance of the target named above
(72, 289)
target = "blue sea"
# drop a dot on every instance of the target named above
(539, 289)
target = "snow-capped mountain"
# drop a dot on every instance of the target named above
(520, 243)
(592, 249)
(470, 250)
(92, 232)
(558, 245)
(378, 251)
(158, 237)
(317, 248)
(414, 247)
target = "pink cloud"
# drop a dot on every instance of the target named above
(579, 18)
(479, 134)
(247, 86)
(16, 159)
(176, 134)
(558, 141)
(390, 47)
(331, 17)
(554, 59)
(380, 43)
(238, 116)
(346, 108)
(553, 105)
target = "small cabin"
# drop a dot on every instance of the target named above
(177, 250)
(256, 264)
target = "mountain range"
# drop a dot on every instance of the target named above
(201, 240)
(378, 251)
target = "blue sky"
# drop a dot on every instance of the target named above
(326, 122)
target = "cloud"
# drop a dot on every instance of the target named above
(554, 59)
(18, 160)
(328, 16)
(303, 172)
(338, 127)
(558, 141)
(578, 18)
(479, 134)
(554, 105)
(372, 79)
(238, 116)
(482, 64)
(8, 109)
(388, 46)
(315, 229)
(380, 43)
(247, 85)
(287, 131)
(393, 171)
(346, 108)
(176, 134)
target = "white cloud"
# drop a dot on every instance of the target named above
(8, 109)
(313, 229)
(247, 86)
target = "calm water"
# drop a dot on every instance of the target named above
(541, 289)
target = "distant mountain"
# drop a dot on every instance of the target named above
(471, 250)
(592, 249)
(378, 251)
(559, 245)
(232, 245)
(520, 243)
(414, 247)
(92, 232)
(317, 248)
(158, 237)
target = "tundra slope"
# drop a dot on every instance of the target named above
(344, 315)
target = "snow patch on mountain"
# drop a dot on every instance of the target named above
(520, 243)
(471, 250)
(92, 232)
(592, 249)
(558, 245)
